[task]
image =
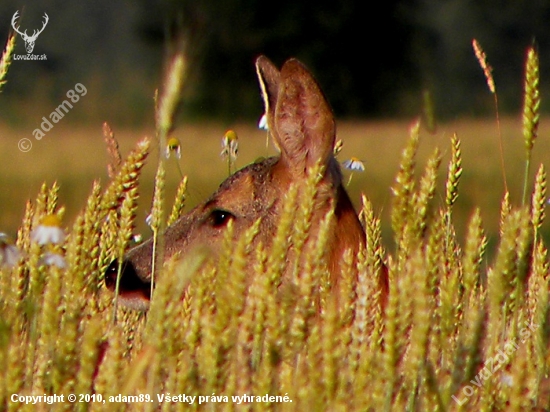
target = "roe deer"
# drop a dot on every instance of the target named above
(302, 125)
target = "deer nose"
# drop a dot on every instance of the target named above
(133, 292)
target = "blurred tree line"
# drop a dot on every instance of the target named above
(374, 60)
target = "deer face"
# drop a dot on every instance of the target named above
(29, 44)
(302, 126)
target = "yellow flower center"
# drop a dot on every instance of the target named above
(173, 143)
(51, 220)
(230, 135)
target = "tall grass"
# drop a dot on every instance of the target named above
(458, 331)
(488, 72)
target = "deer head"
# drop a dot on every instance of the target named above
(302, 126)
(29, 40)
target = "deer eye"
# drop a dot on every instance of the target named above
(219, 218)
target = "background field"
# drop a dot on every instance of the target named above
(75, 157)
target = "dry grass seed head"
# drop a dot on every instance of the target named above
(487, 69)
(113, 151)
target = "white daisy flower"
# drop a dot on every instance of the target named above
(173, 146)
(49, 231)
(54, 259)
(230, 145)
(9, 253)
(354, 163)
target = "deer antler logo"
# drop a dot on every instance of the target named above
(29, 40)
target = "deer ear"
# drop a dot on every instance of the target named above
(304, 126)
(268, 77)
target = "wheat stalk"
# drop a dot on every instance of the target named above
(157, 223)
(531, 108)
(538, 202)
(5, 60)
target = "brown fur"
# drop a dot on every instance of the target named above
(302, 126)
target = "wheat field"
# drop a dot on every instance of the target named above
(464, 325)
